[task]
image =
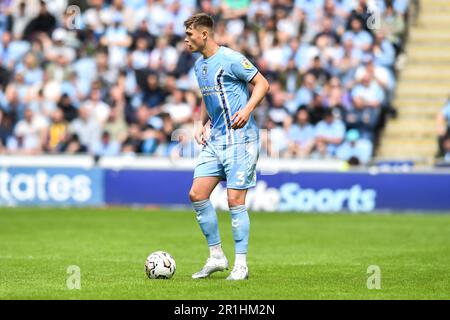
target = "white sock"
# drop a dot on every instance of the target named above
(216, 251)
(241, 259)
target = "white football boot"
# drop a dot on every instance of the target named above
(212, 265)
(239, 272)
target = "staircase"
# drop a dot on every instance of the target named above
(423, 87)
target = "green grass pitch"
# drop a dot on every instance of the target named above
(291, 256)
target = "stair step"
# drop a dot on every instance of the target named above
(426, 82)
(428, 20)
(433, 25)
(408, 149)
(423, 90)
(425, 34)
(418, 159)
(430, 43)
(438, 46)
(417, 112)
(421, 101)
(408, 143)
(421, 49)
(432, 59)
(438, 9)
(433, 16)
(424, 41)
(427, 67)
(422, 123)
(432, 22)
(410, 132)
(434, 3)
(411, 73)
(407, 105)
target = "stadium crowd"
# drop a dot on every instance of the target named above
(443, 128)
(117, 79)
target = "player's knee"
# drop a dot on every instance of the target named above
(235, 201)
(196, 196)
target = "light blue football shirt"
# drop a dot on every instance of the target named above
(223, 80)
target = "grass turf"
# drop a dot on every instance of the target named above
(292, 256)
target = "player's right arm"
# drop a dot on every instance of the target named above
(200, 133)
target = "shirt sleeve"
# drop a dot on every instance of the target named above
(242, 68)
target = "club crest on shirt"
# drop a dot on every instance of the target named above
(204, 71)
(246, 64)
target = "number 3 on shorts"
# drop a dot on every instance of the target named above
(240, 175)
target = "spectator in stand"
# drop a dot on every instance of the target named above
(106, 146)
(57, 132)
(73, 145)
(141, 56)
(30, 134)
(66, 106)
(164, 57)
(361, 39)
(33, 74)
(97, 109)
(20, 19)
(12, 50)
(305, 94)
(320, 73)
(154, 95)
(443, 127)
(57, 46)
(117, 40)
(116, 126)
(177, 107)
(330, 133)
(393, 24)
(383, 51)
(354, 149)
(337, 98)
(277, 111)
(44, 22)
(316, 109)
(301, 135)
(6, 130)
(446, 149)
(274, 140)
(146, 132)
(86, 128)
(367, 97)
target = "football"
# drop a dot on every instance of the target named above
(160, 265)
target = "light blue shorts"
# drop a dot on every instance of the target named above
(235, 163)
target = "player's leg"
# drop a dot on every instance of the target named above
(208, 173)
(240, 169)
(240, 223)
(201, 190)
(199, 194)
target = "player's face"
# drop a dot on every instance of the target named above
(194, 39)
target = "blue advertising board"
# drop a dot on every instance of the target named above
(144, 187)
(302, 192)
(283, 191)
(51, 187)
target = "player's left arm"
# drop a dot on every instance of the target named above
(261, 87)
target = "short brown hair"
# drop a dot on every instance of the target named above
(200, 19)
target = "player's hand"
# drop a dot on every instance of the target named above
(240, 119)
(200, 135)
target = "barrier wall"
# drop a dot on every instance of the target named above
(51, 186)
(282, 191)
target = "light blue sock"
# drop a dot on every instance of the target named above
(240, 224)
(207, 219)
